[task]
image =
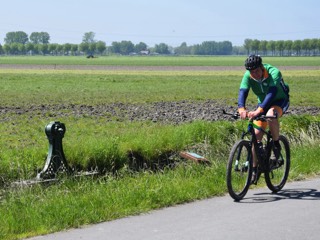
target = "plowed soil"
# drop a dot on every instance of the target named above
(166, 112)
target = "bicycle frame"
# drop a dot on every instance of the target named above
(263, 156)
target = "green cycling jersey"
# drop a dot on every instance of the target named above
(271, 78)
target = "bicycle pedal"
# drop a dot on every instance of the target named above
(244, 169)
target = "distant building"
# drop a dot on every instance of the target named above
(145, 52)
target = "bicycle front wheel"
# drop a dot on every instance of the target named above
(279, 169)
(239, 170)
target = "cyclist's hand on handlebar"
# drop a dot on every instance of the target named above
(243, 113)
(254, 113)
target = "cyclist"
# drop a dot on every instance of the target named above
(267, 84)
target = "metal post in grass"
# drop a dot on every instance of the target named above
(56, 161)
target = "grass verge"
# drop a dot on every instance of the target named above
(74, 202)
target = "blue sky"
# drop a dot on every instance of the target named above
(163, 21)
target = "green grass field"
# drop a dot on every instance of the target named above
(34, 87)
(156, 60)
(92, 141)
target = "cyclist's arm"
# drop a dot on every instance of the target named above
(276, 77)
(268, 99)
(266, 102)
(243, 94)
(242, 97)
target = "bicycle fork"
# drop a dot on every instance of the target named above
(244, 167)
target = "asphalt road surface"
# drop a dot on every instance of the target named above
(293, 214)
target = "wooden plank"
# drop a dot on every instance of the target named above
(194, 157)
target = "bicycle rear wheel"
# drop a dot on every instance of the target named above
(239, 170)
(278, 173)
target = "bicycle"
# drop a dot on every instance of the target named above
(239, 167)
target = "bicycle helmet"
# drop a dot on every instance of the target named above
(253, 62)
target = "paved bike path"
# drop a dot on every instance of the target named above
(293, 214)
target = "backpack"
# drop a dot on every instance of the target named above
(285, 87)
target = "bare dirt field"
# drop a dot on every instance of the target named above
(166, 112)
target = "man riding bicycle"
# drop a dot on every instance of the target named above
(267, 84)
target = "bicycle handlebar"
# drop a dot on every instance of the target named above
(233, 115)
(236, 115)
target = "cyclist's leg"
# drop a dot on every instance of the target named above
(259, 134)
(274, 123)
(279, 107)
(259, 125)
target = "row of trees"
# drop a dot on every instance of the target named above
(123, 48)
(39, 43)
(22, 38)
(306, 47)
(17, 43)
(205, 48)
(99, 47)
(53, 49)
(283, 47)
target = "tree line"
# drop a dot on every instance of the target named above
(306, 47)
(19, 43)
